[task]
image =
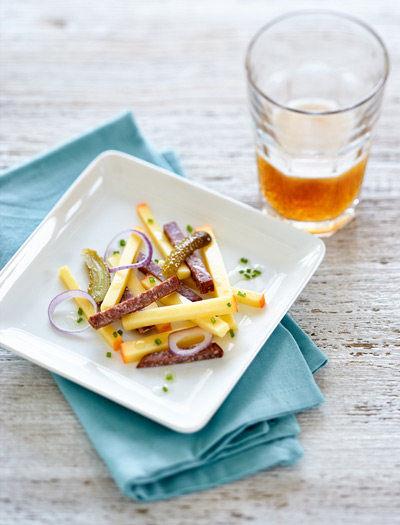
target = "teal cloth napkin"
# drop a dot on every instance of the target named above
(255, 427)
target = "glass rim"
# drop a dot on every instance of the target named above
(379, 85)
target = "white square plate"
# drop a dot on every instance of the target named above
(101, 203)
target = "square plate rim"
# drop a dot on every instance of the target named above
(319, 244)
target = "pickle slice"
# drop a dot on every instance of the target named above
(182, 250)
(99, 276)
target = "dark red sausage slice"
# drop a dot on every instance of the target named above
(167, 358)
(156, 270)
(117, 312)
(128, 295)
(199, 272)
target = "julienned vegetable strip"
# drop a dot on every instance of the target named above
(121, 277)
(134, 350)
(87, 308)
(249, 297)
(215, 265)
(158, 236)
(181, 312)
(136, 288)
(219, 328)
(115, 313)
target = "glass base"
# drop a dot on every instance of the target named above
(318, 228)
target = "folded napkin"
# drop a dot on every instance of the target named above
(255, 427)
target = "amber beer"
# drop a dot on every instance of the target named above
(310, 199)
(315, 86)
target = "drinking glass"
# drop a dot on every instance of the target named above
(315, 84)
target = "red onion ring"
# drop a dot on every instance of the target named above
(64, 296)
(179, 335)
(135, 265)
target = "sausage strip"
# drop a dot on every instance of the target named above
(199, 272)
(117, 312)
(128, 295)
(167, 358)
(156, 270)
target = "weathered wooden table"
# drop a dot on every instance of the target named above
(179, 66)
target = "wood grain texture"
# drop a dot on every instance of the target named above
(179, 66)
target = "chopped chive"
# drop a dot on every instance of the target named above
(79, 320)
(228, 305)
(115, 334)
(150, 220)
(241, 294)
(122, 242)
(157, 341)
(115, 252)
(257, 272)
(248, 270)
(232, 333)
(244, 260)
(213, 320)
(80, 311)
(165, 389)
(108, 354)
(156, 260)
(152, 280)
(120, 332)
(247, 276)
(241, 271)
(169, 377)
(189, 228)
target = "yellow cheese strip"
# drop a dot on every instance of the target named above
(134, 350)
(108, 332)
(159, 237)
(216, 326)
(248, 297)
(216, 268)
(137, 288)
(120, 279)
(180, 312)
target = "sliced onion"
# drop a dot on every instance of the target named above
(65, 296)
(144, 262)
(175, 337)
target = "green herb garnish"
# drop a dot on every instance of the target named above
(152, 280)
(169, 377)
(213, 320)
(241, 294)
(228, 305)
(108, 354)
(79, 320)
(232, 333)
(165, 389)
(115, 252)
(156, 260)
(150, 220)
(80, 311)
(244, 260)
(122, 242)
(189, 228)
(115, 334)
(157, 341)
(120, 332)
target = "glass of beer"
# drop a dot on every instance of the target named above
(315, 82)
